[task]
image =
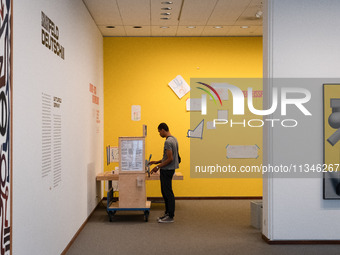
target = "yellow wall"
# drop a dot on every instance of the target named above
(137, 71)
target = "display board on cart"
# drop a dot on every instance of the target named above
(132, 155)
(132, 192)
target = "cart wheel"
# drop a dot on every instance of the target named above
(111, 214)
(146, 216)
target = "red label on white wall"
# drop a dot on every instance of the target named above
(93, 90)
(95, 100)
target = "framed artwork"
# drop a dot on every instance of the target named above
(331, 139)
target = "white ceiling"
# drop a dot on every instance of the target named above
(203, 15)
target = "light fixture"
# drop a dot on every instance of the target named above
(245, 27)
(137, 27)
(166, 8)
(259, 14)
(167, 2)
(191, 27)
(110, 26)
(166, 13)
(218, 27)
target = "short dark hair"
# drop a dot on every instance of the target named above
(163, 126)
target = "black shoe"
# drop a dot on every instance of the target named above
(161, 217)
(166, 219)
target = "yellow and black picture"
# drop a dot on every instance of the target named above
(331, 109)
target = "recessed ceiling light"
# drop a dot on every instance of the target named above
(165, 18)
(137, 27)
(110, 26)
(166, 8)
(163, 27)
(218, 27)
(166, 13)
(245, 27)
(167, 2)
(191, 27)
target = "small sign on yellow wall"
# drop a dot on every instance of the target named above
(179, 86)
(136, 112)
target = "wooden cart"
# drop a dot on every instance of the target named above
(112, 207)
(131, 178)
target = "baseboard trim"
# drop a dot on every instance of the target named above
(204, 198)
(299, 241)
(79, 230)
(209, 198)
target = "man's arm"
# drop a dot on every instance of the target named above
(166, 162)
(154, 162)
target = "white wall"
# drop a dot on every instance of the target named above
(301, 40)
(45, 218)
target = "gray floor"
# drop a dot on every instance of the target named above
(204, 227)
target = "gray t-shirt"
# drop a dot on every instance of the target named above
(171, 144)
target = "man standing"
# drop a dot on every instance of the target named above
(167, 166)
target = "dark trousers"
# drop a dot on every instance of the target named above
(167, 193)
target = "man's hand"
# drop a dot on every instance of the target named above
(152, 162)
(154, 170)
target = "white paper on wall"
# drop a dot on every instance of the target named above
(114, 154)
(136, 112)
(210, 125)
(193, 104)
(242, 151)
(222, 114)
(179, 86)
(221, 90)
(52, 121)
